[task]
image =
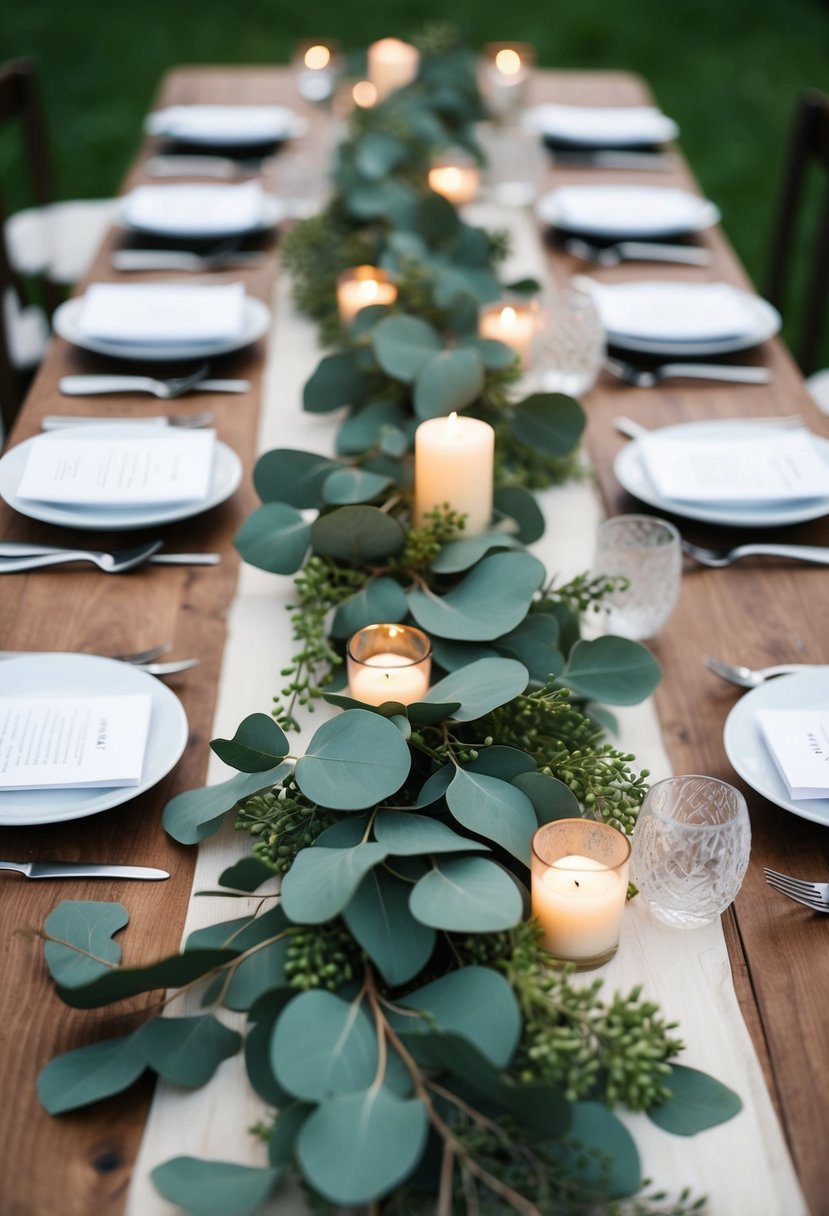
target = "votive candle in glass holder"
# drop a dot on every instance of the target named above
(317, 63)
(360, 287)
(507, 67)
(454, 459)
(389, 663)
(391, 65)
(456, 176)
(579, 873)
(514, 323)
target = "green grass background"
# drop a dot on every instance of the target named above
(729, 71)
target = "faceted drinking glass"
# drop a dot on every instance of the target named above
(690, 849)
(646, 551)
(568, 349)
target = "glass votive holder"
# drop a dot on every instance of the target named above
(569, 344)
(513, 322)
(647, 552)
(456, 176)
(514, 163)
(317, 63)
(691, 846)
(505, 75)
(579, 872)
(389, 663)
(360, 287)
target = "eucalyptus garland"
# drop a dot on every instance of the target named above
(423, 1054)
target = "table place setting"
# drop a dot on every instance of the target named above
(226, 126)
(600, 127)
(199, 212)
(609, 212)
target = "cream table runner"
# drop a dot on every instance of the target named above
(742, 1166)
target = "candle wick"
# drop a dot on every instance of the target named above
(576, 881)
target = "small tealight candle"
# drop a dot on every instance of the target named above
(579, 887)
(457, 179)
(506, 74)
(454, 460)
(317, 63)
(391, 65)
(364, 94)
(389, 663)
(360, 287)
(515, 324)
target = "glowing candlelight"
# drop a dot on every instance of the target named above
(317, 57)
(391, 65)
(456, 180)
(454, 464)
(514, 324)
(360, 287)
(389, 663)
(364, 94)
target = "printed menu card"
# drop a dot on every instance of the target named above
(66, 742)
(798, 740)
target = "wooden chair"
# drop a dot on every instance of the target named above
(808, 152)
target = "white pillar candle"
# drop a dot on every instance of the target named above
(514, 324)
(456, 182)
(391, 65)
(360, 287)
(388, 677)
(579, 902)
(454, 460)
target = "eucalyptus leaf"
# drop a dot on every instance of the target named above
(596, 1137)
(274, 537)
(611, 669)
(247, 874)
(124, 982)
(494, 809)
(353, 761)
(458, 555)
(524, 287)
(337, 381)
(196, 814)
(357, 1147)
(551, 798)
(506, 763)
(353, 486)
(214, 1188)
(357, 534)
(379, 919)
(404, 345)
(187, 1051)
(323, 1045)
(377, 153)
(363, 430)
(435, 787)
(550, 423)
(366, 318)
(258, 746)
(534, 643)
(436, 219)
(382, 599)
(406, 834)
(258, 1048)
(452, 655)
(344, 832)
(390, 198)
(697, 1102)
(450, 382)
(258, 973)
(90, 1073)
(476, 1002)
(423, 713)
(83, 949)
(294, 477)
(321, 881)
(224, 935)
(480, 687)
(467, 895)
(492, 599)
(285, 1130)
(522, 506)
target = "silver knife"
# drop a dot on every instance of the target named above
(12, 549)
(655, 161)
(81, 869)
(83, 386)
(179, 259)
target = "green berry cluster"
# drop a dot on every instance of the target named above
(423, 544)
(282, 821)
(322, 956)
(314, 253)
(585, 592)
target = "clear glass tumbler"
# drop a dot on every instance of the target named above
(514, 164)
(647, 552)
(568, 349)
(690, 849)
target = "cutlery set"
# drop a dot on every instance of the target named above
(628, 373)
(18, 556)
(636, 251)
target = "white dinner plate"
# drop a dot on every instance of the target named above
(609, 212)
(631, 473)
(747, 751)
(256, 320)
(273, 212)
(225, 477)
(227, 126)
(66, 675)
(601, 126)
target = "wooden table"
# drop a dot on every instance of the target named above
(756, 612)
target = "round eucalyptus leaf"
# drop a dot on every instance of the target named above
(353, 762)
(382, 599)
(353, 486)
(405, 834)
(551, 798)
(493, 809)
(214, 1188)
(505, 763)
(337, 381)
(697, 1102)
(390, 198)
(480, 687)
(452, 655)
(357, 1147)
(450, 382)
(436, 219)
(357, 534)
(83, 947)
(366, 318)
(467, 895)
(475, 1002)
(473, 247)
(376, 154)
(258, 745)
(462, 318)
(322, 880)
(522, 506)
(379, 919)
(403, 345)
(187, 1051)
(611, 669)
(549, 423)
(534, 643)
(497, 356)
(363, 430)
(488, 602)
(295, 477)
(420, 713)
(434, 788)
(458, 555)
(323, 1045)
(275, 538)
(90, 1073)
(344, 833)
(595, 1136)
(394, 442)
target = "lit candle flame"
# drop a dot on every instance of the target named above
(453, 427)
(509, 317)
(508, 62)
(317, 57)
(368, 289)
(364, 94)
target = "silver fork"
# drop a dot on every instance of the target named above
(176, 386)
(748, 677)
(814, 895)
(641, 378)
(110, 563)
(136, 658)
(59, 422)
(636, 251)
(819, 554)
